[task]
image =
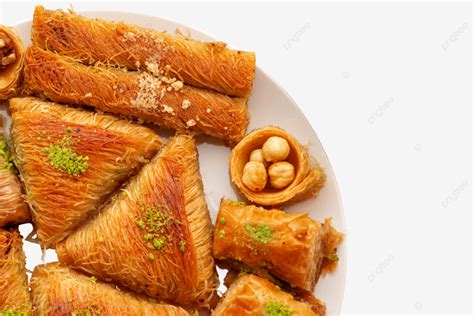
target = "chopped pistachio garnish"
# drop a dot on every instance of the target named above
(93, 279)
(151, 256)
(5, 155)
(12, 312)
(221, 233)
(332, 257)
(69, 129)
(276, 309)
(238, 203)
(181, 245)
(62, 157)
(261, 233)
(124, 194)
(222, 221)
(101, 239)
(155, 223)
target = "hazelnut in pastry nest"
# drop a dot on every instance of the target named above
(11, 62)
(287, 187)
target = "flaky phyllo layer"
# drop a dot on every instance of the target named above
(14, 294)
(155, 237)
(71, 160)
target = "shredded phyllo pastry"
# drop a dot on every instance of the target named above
(13, 209)
(166, 250)
(305, 180)
(292, 247)
(140, 94)
(11, 62)
(58, 290)
(71, 160)
(14, 293)
(206, 65)
(253, 295)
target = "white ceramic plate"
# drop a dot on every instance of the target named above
(214, 157)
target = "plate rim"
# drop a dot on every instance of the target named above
(329, 168)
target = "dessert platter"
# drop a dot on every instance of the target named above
(157, 173)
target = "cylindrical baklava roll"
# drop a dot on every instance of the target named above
(12, 54)
(292, 247)
(159, 100)
(206, 65)
(13, 208)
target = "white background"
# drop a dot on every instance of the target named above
(387, 88)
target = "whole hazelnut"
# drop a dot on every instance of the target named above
(275, 149)
(257, 155)
(254, 176)
(281, 174)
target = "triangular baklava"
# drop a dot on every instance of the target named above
(71, 160)
(14, 293)
(155, 238)
(58, 290)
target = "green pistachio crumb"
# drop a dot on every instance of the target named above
(222, 221)
(181, 245)
(151, 256)
(101, 239)
(158, 243)
(62, 157)
(148, 236)
(221, 233)
(124, 194)
(6, 158)
(93, 279)
(261, 233)
(276, 309)
(140, 223)
(69, 129)
(238, 203)
(332, 257)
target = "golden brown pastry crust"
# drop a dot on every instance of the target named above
(114, 245)
(14, 293)
(58, 290)
(251, 295)
(205, 65)
(308, 179)
(135, 94)
(11, 76)
(291, 247)
(60, 202)
(13, 209)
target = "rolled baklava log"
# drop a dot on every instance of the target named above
(251, 295)
(156, 237)
(12, 54)
(71, 160)
(58, 290)
(13, 209)
(206, 65)
(291, 247)
(162, 101)
(271, 168)
(14, 293)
